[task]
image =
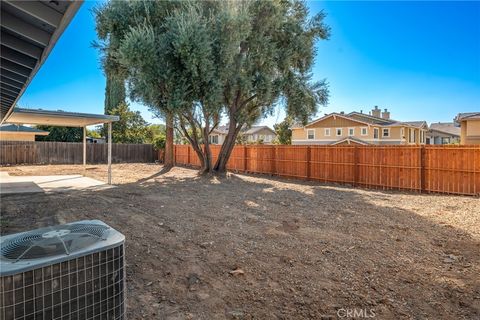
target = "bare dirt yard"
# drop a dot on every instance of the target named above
(307, 250)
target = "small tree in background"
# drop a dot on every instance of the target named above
(61, 134)
(131, 127)
(283, 131)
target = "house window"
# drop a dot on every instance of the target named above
(351, 131)
(402, 133)
(310, 134)
(214, 139)
(339, 131)
(412, 136)
(364, 131)
(386, 133)
(327, 132)
(375, 133)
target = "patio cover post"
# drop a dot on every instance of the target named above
(110, 153)
(84, 146)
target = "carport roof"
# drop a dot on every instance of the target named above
(57, 118)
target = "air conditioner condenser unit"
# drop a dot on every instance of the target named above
(70, 271)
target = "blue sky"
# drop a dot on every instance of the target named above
(421, 60)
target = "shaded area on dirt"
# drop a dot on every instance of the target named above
(307, 250)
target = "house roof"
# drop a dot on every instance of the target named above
(20, 128)
(350, 139)
(371, 120)
(221, 130)
(446, 127)
(251, 130)
(417, 124)
(255, 129)
(468, 116)
(335, 114)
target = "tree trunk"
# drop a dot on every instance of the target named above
(169, 141)
(227, 148)
(207, 166)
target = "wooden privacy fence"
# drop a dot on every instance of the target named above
(40, 152)
(442, 169)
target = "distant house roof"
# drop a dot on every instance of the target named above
(417, 124)
(221, 130)
(255, 129)
(20, 128)
(251, 130)
(468, 116)
(446, 127)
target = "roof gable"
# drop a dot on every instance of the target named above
(333, 115)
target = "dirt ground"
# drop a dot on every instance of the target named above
(307, 250)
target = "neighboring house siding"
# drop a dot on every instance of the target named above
(470, 132)
(301, 134)
(17, 136)
(340, 127)
(216, 138)
(265, 135)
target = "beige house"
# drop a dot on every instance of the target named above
(361, 129)
(254, 134)
(469, 127)
(13, 132)
(443, 133)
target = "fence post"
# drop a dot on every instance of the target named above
(245, 160)
(188, 155)
(274, 162)
(356, 166)
(308, 162)
(422, 169)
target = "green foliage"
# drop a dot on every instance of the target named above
(198, 60)
(131, 128)
(159, 142)
(157, 134)
(61, 134)
(283, 132)
(114, 92)
(95, 133)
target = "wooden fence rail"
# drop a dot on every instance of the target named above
(440, 169)
(40, 152)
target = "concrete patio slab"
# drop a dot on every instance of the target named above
(61, 183)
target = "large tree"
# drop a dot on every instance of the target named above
(272, 67)
(283, 131)
(113, 20)
(199, 60)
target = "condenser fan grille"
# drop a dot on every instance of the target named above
(53, 241)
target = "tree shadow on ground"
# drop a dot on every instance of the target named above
(307, 250)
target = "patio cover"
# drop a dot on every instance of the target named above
(29, 31)
(57, 118)
(66, 119)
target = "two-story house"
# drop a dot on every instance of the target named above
(359, 128)
(469, 124)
